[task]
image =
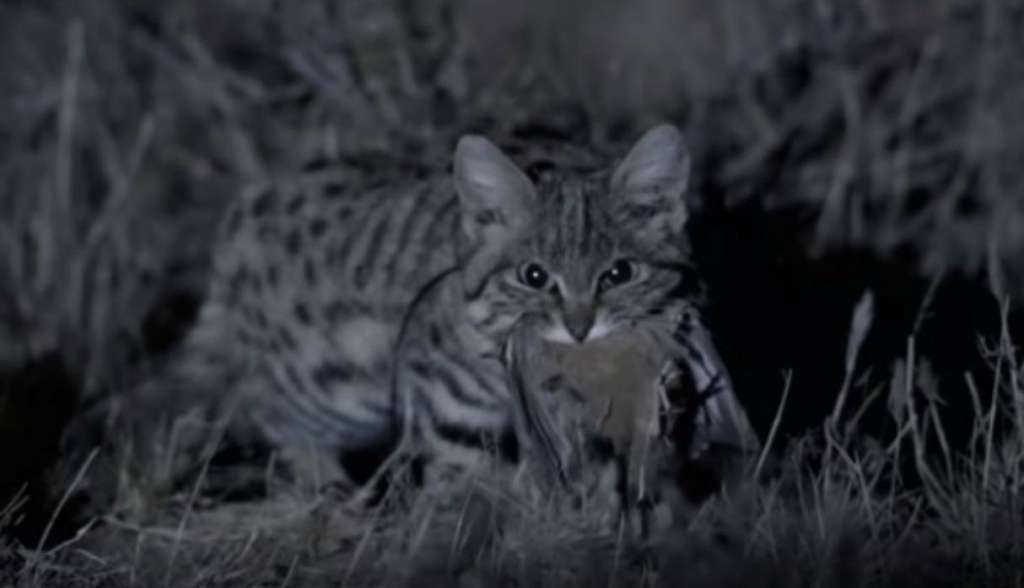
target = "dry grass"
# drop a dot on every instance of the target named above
(127, 126)
(833, 511)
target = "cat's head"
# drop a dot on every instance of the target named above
(575, 257)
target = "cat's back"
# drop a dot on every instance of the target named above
(337, 245)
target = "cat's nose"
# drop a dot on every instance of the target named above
(579, 321)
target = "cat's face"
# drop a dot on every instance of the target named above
(574, 258)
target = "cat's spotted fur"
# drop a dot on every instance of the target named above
(380, 310)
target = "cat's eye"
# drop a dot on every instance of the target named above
(621, 272)
(533, 275)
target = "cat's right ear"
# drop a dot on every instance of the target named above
(495, 195)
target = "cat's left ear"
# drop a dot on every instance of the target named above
(651, 181)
